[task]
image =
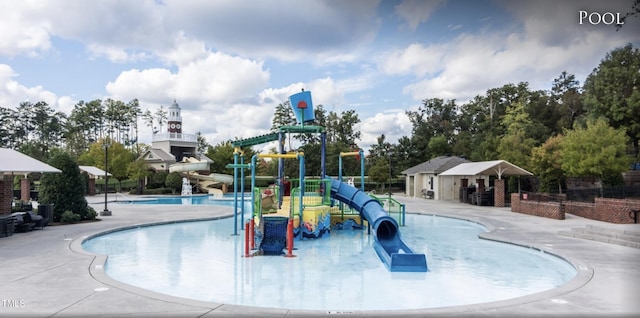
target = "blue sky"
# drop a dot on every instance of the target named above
(229, 63)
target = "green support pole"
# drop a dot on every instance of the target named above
(242, 186)
(301, 158)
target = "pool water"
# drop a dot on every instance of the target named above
(191, 200)
(202, 261)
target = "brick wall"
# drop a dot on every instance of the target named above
(552, 210)
(607, 210)
(6, 194)
(581, 209)
(615, 210)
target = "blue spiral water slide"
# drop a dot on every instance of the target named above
(389, 246)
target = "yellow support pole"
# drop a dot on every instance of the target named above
(284, 155)
(353, 153)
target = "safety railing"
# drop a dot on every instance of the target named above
(265, 200)
(395, 209)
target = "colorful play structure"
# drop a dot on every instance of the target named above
(308, 208)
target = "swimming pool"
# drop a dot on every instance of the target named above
(190, 200)
(200, 260)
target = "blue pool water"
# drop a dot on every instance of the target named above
(190, 200)
(202, 261)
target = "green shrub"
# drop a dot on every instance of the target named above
(70, 217)
(91, 213)
(157, 191)
(128, 184)
(157, 180)
(65, 190)
(174, 181)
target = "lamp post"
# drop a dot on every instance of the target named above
(106, 211)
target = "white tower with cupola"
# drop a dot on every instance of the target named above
(174, 120)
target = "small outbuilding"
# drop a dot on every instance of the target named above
(424, 180)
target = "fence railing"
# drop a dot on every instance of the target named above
(584, 195)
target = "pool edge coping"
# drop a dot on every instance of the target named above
(584, 273)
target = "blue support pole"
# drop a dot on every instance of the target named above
(361, 170)
(253, 184)
(340, 168)
(235, 194)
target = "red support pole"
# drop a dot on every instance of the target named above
(290, 239)
(246, 241)
(252, 241)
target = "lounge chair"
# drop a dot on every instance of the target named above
(34, 218)
(27, 221)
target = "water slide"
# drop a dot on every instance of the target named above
(389, 246)
(191, 166)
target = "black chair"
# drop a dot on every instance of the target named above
(23, 223)
(37, 220)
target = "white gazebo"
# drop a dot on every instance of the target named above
(94, 173)
(480, 169)
(15, 163)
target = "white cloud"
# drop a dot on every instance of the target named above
(286, 30)
(12, 93)
(393, 124)
(216, 79)
(22, 34)
(472, 63)
(415, 59)
(415, 12)
(556, 23)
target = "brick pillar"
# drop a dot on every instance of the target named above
(498, 192)
(480, 183)
(6, 194)
(25, 189)
(92, 187)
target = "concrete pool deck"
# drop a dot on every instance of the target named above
(44, 273)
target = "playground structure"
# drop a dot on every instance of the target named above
(191, 167)
(308, 208)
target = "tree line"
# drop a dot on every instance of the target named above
(571, 129)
